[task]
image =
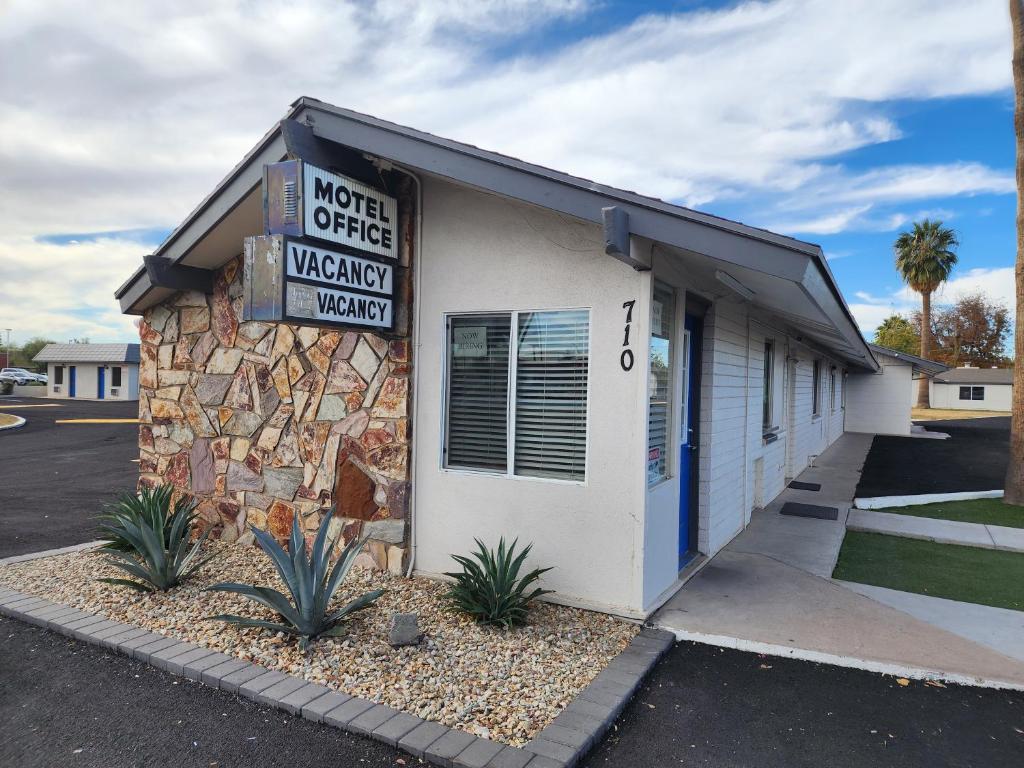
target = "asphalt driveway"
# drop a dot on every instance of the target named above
(702, 706)
(706, 706)
(68, 704)
(55, 477)
(974, 458)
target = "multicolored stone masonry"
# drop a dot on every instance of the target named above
(262, 422)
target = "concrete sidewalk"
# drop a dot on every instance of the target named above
(770, 590)
(940, 531)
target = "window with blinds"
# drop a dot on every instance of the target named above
(551, 394)
(548, 360)
(477, 418)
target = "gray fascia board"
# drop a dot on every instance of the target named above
(658, 221)
(815, 287)
(225, 197)
(355, 120)
(701, 234)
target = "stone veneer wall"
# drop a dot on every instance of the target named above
(262, 422)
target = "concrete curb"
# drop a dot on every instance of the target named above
(51, 552)
(19, 422)
(940, 531)
(881, 502)
(849, 662)
(560, 745)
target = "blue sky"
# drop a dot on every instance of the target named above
(835, 121)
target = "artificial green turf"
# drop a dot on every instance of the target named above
(968, 574)
(988, 511)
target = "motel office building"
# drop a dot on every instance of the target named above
(618, 380)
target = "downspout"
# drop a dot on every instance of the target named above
(417, 280)
(746, 427)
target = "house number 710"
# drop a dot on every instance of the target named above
(626, 358)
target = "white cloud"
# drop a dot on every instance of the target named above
(121, 116)
(997, 284)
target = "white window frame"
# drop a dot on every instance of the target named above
(768, 383)
(816, 393)
(513, 350)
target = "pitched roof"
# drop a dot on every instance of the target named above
(202, 239)
(925, 366)
(976, 376)
(88, 353)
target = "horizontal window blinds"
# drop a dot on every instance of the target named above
(551, 394)
(477, 434)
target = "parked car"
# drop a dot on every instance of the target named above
(21, 376)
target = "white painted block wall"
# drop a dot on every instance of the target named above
(998, 397)
(880, 402)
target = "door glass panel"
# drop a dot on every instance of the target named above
(684, 409)
(659, 411)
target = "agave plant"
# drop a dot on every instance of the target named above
(310, 581)
(150, 507)
(152, 544)
(490, 589)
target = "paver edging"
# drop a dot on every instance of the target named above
(561, 744)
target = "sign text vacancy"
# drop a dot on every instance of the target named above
(327, 286)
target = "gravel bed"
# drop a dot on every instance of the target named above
(504, 685)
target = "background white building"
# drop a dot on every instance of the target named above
(91, 371)
(973, 389)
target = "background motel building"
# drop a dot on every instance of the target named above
(973, 389)
(91, 371)
(618, 380)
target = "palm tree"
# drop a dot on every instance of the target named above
(924, 259)
(1014, 486)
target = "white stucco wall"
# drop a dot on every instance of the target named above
(998, 397)
(880, 402)
(87, 381)
(485, 253)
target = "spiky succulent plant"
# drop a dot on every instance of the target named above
(311, 584)
(149, 506)
(150, 542)
(489, 587)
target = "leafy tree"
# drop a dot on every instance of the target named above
(31, 348)
(925, 256)
(899, 333)
(972, 331)
(1013, 488)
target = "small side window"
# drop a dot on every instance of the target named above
(816, 389)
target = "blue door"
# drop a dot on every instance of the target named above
(689, 440)
(99, 382)
(71, 381)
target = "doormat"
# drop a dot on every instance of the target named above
(802, 486)
(809, 510)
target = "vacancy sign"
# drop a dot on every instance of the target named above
(293, 280)
(344, 211)
(322, 285)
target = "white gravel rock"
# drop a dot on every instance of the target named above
(507, 685)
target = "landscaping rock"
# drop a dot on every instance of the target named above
(404, 630)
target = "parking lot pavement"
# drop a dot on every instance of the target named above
(102, 710)
(973, 459)
(54, 478)
(707, 706)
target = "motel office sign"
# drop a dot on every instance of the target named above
(329, 254)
